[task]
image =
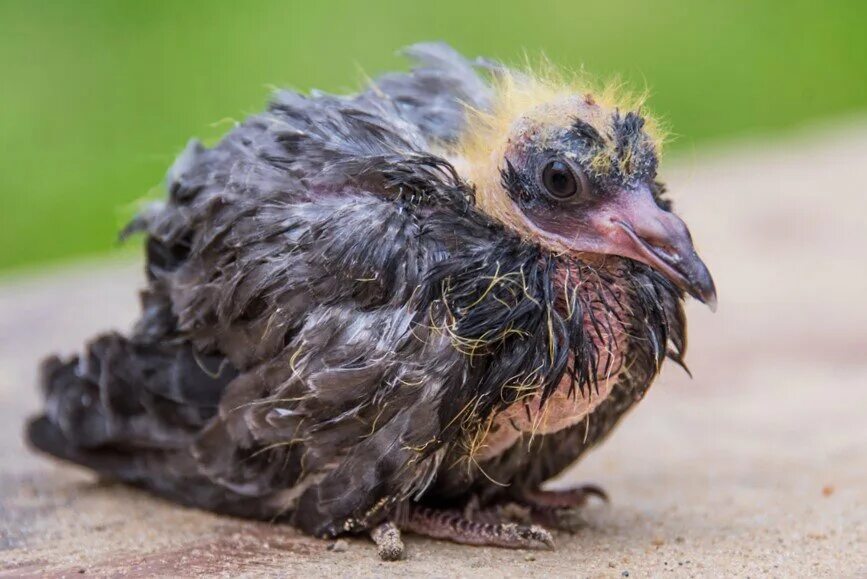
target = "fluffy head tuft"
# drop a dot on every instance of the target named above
(535, 103)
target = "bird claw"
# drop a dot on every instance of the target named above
(591, 490)
(527, 536)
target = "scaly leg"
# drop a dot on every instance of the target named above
(452, 525)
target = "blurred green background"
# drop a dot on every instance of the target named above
(96, 97)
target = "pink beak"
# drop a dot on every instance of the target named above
(633, 225)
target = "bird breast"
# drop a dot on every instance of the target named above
(568, 404)
(561, 410)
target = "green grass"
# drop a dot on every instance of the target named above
(97, 97)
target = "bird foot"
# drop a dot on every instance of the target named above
(560, 509)
(452, 525)
(516, 524)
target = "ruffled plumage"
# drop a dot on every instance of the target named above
(331, 319)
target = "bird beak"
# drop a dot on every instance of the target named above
(632, 225)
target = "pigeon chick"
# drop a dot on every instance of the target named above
(401, 310)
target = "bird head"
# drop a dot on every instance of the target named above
(575, 172)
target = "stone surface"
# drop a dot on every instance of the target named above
(756, 467)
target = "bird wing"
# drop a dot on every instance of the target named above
(312, 247)
(435, 95)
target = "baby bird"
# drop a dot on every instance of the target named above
(400, 310)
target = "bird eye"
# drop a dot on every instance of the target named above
(559, 180)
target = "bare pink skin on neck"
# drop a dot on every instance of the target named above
(566, 406)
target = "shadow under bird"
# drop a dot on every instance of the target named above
(400, 310)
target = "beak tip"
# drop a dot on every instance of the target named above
(702, 286)
(712, 304)
(708, 298)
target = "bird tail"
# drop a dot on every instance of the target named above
(78, 427)
(131, 411)
(127, 409)
(49, 438)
